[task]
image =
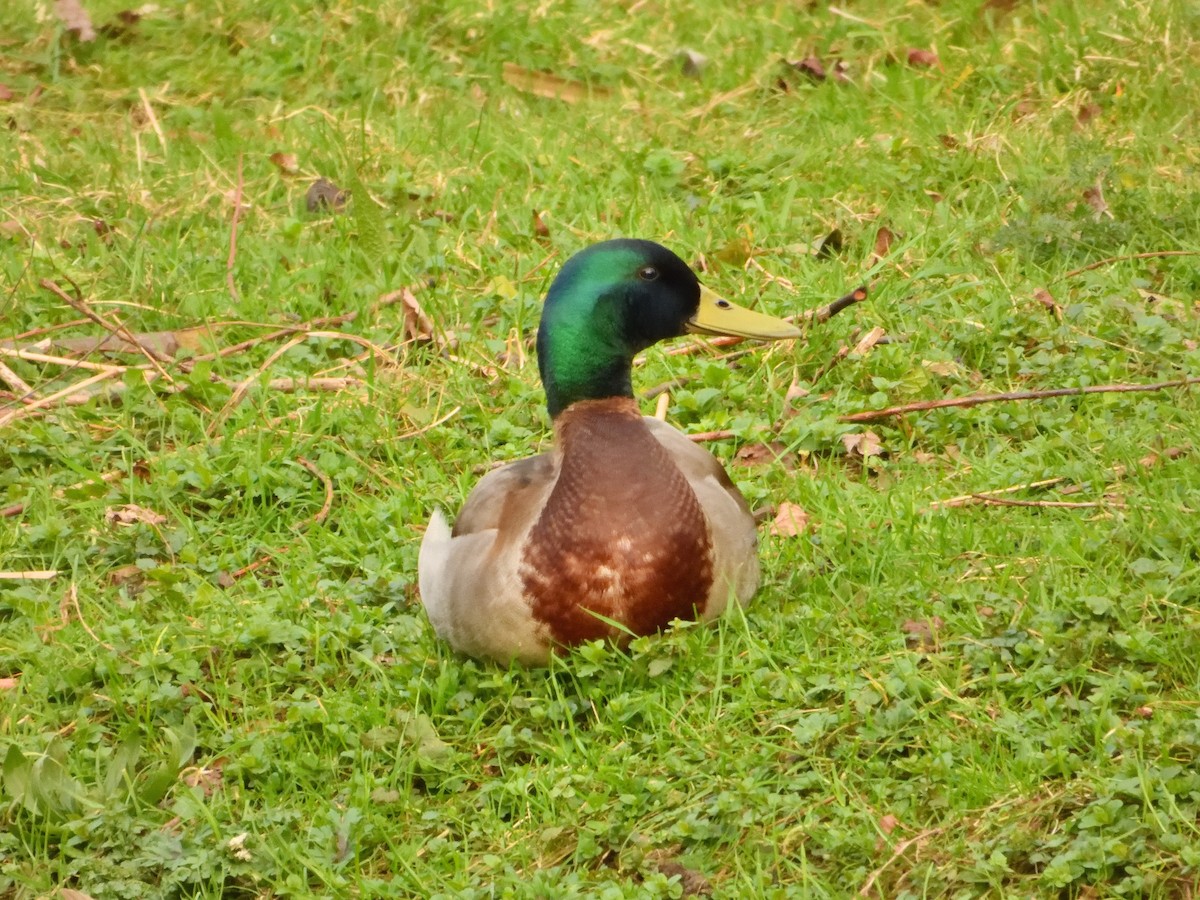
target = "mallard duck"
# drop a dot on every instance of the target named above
(626, 525)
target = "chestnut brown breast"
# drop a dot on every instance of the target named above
(622, 536)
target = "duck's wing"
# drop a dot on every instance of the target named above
(735, 541)
(508, 498)
(470, 575)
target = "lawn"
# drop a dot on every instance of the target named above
(973, 669)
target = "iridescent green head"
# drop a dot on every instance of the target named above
(615, 299)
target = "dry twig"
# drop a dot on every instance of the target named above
(965, 499)
(116, 327)
(51, 399)
(1049, 504)
(875, 415)
(233, 231)
(240, 391)
(72, 597)
(13, 380)
(326, 482)
(317, 519)
(701, 436)
(1156, 254)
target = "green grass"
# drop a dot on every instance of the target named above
(172, 726)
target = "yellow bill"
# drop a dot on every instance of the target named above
(717, 315)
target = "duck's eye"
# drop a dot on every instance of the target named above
(648, 273)
(723, 304)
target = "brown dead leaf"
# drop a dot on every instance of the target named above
(1086, 112)
(883, 242)
(922, 634)
(691, 882)
(810, 66)
(862, 444)
(887, 824)
(1154, 458)
(790, 521)
(208, 778)
(540, 228)
(13, 230)
(1094, 196)
(868, 341)
(286, 163)
(761, 454)
(324, 194)
(795, 392)
(75, 19)
(417, 325)
(548, 85)
(1044, 297)
(949, 141)
(1023, 109)
(125, 574)
(132, 514)
(922, 59)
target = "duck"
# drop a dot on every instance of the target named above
(625, 525)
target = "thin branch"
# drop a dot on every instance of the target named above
(73, 596)
(317, 519)
(660, 408)
(829, 310)
(38, 332)
(116, 327)
(51, 399)
(15, 382)
(298, 385)
(900, 849)
(701, 436)
(875, 415)
(328, 485)
(1049, 504)
(432, 425)
(149, 110)
(240, 391)
(334, 321)
(233, 231)
(966, 499)
(31, 356)
(1157, 254)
